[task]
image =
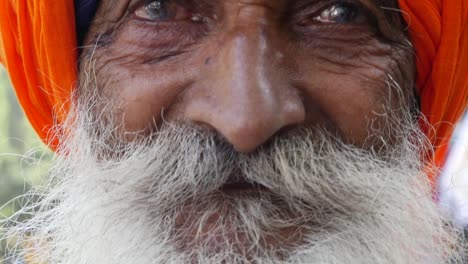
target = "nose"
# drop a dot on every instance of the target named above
(247, 96)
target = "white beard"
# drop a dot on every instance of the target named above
(348, 205)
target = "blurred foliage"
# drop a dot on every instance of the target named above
(24, 160)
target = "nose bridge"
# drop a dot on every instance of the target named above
(250, 76)
(248, 101)
(250, 46)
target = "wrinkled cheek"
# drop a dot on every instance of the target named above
(135, 100)
(136, 115)
(361, 99)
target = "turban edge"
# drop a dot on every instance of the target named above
(439, 33)
(38, 47)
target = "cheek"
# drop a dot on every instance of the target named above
(138, 97)
(343, 83)
(351, 93)
(142, 80)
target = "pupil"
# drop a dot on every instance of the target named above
(343, 13)
(156, 10)
(154, 5)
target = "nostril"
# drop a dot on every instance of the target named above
(247, 137)
(202, 126)
(286, 130)
(248, 127)
(283, 132)
(294, 111)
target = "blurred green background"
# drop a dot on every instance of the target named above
(24, 160)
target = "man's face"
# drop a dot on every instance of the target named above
(244, 131)
(251, 69)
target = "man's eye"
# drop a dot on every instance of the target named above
(163, 10)
(340, 14)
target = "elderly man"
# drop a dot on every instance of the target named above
(239, 131)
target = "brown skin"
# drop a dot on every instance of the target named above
(249, 69)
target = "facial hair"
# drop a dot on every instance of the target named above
(157, 199)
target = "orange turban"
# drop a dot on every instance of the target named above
(38, 48)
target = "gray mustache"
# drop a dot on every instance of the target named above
(304, 166)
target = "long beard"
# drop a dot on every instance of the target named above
(158, 200)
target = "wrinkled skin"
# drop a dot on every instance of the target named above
(242, 131)
(250, 69)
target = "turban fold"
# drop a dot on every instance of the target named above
(439, 33)
(38, 47)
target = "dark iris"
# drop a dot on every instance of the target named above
(157, 10)
(164, 10)
(340, 14)
(344, 13)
